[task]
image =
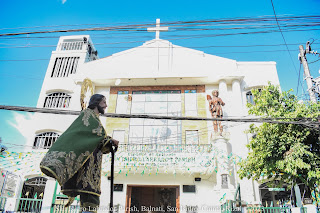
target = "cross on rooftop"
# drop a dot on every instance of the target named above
(157, 29)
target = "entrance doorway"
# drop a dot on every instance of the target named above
(151, 199)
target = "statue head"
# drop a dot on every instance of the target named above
(215, 93)
(95, 101)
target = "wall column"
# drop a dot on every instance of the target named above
(236, 98)
(223, 89)
(48, 195)
(221, 145)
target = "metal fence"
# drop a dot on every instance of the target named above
(269, 210)
(29, 205)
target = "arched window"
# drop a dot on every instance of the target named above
(32, 195)
(57, 100)
(45, 140)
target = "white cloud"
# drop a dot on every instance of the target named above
(64, 1)
(24, 123)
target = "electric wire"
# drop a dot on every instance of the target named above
(314, 61)
(308, 122)
(30, 60)
(146, 47)
(203, 132)
(298, 80)
(275, 15)
(139, 26)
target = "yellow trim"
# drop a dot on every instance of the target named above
(52, 172)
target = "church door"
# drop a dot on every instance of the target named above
(151, 199)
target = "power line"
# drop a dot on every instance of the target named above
(176, 37)
(202, 131)
(264, 18)
(298, 80)
(314, 61)
(26, 60)
(139, 26)
(69, 25)
(275, 15)
(98, 44)
(309, 122)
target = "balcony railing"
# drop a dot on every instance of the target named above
(172, 148)
(75, 45)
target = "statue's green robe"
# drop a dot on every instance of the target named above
(75, 159)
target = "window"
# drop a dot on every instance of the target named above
(45, 140)
(189, 188)
(63, 66)
(192, 137)
(249, 97)
(57, 100)
(155, 131)
(122, 102)
(190, 102)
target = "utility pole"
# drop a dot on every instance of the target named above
(304, 62)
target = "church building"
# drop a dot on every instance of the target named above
(161, 164)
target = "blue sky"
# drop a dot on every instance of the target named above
(21, 81)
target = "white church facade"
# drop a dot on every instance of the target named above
(180, 164)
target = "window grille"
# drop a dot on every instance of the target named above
(159, 102)
(64, 66)
(73, 45)
(36, 181)
(57, 100)
(45, 140)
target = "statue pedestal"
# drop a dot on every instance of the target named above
(216, 135)
(220, 143)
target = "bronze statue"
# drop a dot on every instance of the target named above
(215, 108)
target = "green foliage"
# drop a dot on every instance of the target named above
(288, 152)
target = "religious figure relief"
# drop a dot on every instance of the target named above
(215, 107)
